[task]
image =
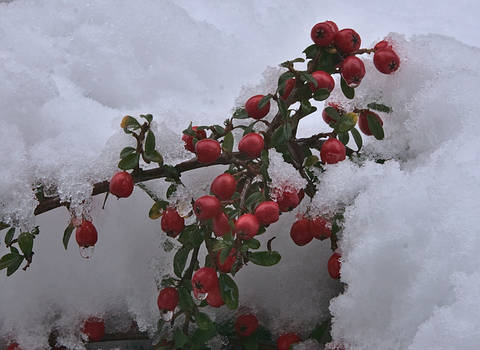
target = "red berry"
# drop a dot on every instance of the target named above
(172, 223)
(94, 328)
(286, 340)
(246, 325)
(14, 346)
(204, 280)
(86, 234)
(352, 70)
(206, 207)
(334, 265)
(321, 228)
(324, 81)
(267, 212)
(214, 298)
(363, 121)
(224, 186)
(227, 265)
(207, 150)
(333, 25)
(251, 144)
(221, 226)
(301, 232)
(332, 151)
(347, 41)
(200, 134)
(326, 117)
(323, 33)
(382, 45)
(121, 184)
(287, 90)
(288, 200)
(246, 226)
(167, 299)
(386, 61)
(251, 106)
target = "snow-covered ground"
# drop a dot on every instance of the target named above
(69, 70)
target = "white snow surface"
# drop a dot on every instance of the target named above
(70, 70)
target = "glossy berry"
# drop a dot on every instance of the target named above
(204, 280)
(214, 298)
(246, 226)
(94, 329)
(246, 325)
(200, 134)
(386, 61)
(287, 90)
(301, 232)
(323, 33)
(167, 299)
(286, 340)
(224, 186)
(321, 228)
(382, 45)
(251, 144)
(267, 212)
(221, 226)
(352, 70)
(207, 150)
(86, 234)
(121, 184)
(347, 41)
(324, 81)
(363, 121)
(206, 207)
(334, 265)
(13, 346)
(329, 119)
(227, 265)
(251, 106)
(172, 223)
(332, 151)
(288, 200)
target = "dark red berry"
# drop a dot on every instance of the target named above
(227, 265)
(321, 228)
(301, 232)
(221, 226)
(347, 41)
(121, 184)
(172, 223)
(333, 25)
(329, 119)
(167, 299)
(246, 226)
(286, 340)
(267, 212)
(324, 81)
(86, 234)
(200, 134)
(251, 144)
(287, 90)
(382, 45)
(246, 325)
(207, 150)
(251, 106)
(288, 200)
(224, 186)
(207, 207)
(204, 280)
(94, 328)
(334, 265)
(13, 346)
(323, 33)
(332, 151)
(363, 121)
(386, 61)
(214, 298)
(352, 70)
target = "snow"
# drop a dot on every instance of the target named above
(70, 71)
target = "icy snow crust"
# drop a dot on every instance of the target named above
(70, 70)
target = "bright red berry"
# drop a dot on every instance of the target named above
(121, 184)
(363, 121)
(324, 81)
(251, 106)
(323, 33)
(246, 226)
(94, 328)
(301, 232)
(200, 134)
(288, 200)
(207, 150)
(224, 186)
(246, 325)
(287, 90)
(251, 144)
(221, 226)
(207, 207)
(347, 40)
(167, 299)
(321, 228)
(204, 280)
(334, 265)
(382, 45)
(86, 234)
(286, 340)
(227, 265)
(352, 70)
(267, 212)
(172, 223)
(332, 151)
(214, 298)
(14, 346)
(329, 119)
(386, 61)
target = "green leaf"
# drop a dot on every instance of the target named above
(203, 321)
(343, 137)
(308, 78)
(14, 265)
(130, 124)
(129, 162)
(332, 113)
(253, 243)
(282, 108)
(287, 131)
(171, 190)
(9, 236)
(25, 242)
(154, 156)
(148, 117)
(150, 142)
(321, 94)
(346, 122)
(179, 338)
(126, 151)
(357, 137)
(347, 90)
(156, 209)
(189, 131)
(310, 160)
(380, 107)
(227, 143)
(180, 260)
(229, 291)
(249, 128)
(6, 260)
(224, 253)
(267, 258)
(254, 198)
(263, 102)
(191, 236)
(375, 127)
(219, 129)
(311, 51)
(307, 107)
(240, 113)
(185, 299)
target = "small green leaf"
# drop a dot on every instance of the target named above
(347, 90)
(346, 122)
(67, 234)
(287, 131)
(240, 113)
(6, 260)
(253, 243)
(15, 264)
(357, 137)
(267, 258)
(227, 143)
(343, 137)
(263, 102)
(253, 199)
(307, 107)
(25, 242)
(126, 151)
(229, 291)
(311, 51)
(185, 300)
(310, 160)
(171, 190)
(150, 142)
(375, 127)
(154, 156)
(321, 94)
(282, 108)
(180, 260)
(130, 124)
(203, 321)
(332, 113)
(129, 162)
(148, 117)
(179, 338)
(219, 129)
(380, 107)
(9, 235)
(156, 209)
